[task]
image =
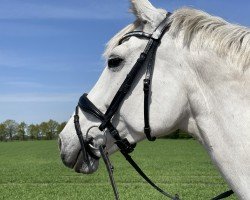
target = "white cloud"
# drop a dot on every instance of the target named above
(26, 29)
(18, 59)
(56, 10)
(25, 84)
(39, 97)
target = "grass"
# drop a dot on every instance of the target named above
(33, 170)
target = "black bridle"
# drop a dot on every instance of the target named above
(147, 57)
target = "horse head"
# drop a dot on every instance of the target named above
(167, 87)
(189, 91)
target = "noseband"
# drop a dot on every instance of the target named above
(147, 57)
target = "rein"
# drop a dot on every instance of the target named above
(147, 57)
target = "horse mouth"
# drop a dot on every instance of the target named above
(86, 168)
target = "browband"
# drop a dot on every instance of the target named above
(157, 34)
(138, 34)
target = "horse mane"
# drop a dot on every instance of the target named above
(200, 30)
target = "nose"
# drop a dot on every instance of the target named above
(64, 158)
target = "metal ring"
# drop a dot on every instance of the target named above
(87, 134)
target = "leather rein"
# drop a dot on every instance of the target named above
(147, 57)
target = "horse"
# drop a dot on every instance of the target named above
(200, 84)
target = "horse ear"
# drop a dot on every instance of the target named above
(146, 12)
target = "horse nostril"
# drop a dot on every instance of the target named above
(59, 143)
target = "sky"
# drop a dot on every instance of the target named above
(51, 51)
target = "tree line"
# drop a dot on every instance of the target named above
(11, 130)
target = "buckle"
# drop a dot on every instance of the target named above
(142, 57)
(76, 118)
(103, 125)
(147, 130)
(125, 146)
(146, 84)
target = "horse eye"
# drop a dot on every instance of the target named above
(114, 62)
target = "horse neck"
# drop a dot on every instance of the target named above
(219, 99)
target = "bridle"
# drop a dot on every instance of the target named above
(146, 58)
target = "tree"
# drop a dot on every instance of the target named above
(11, 128)
(44, 129)
(49, 129)
(33, 131)
(2, 132)
(53, 129)
(61, 127)
(22, 130)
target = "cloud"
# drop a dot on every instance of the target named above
(24, 28)
(24, 84)
(22, 60)
(61, 10)
(38, 97)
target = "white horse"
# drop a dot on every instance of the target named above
(201, 84)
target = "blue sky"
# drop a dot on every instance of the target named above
(50, 51)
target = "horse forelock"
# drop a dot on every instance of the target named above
(200, 30)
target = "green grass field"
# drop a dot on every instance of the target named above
(33, 170)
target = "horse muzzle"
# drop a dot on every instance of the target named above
(84, 167)
(82, 158)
